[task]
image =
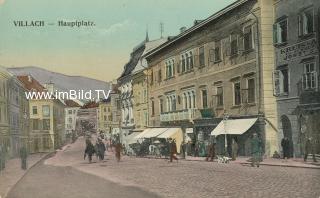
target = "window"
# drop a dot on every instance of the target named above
(187, 61)
(161, 105)
(236, 93)
(69, 111)
(34, 110)
(219, 96)
(281, 82)
(309, 79)
(183, 63)
(104, 109)
(204, 99)
(169, 68)
(217, 52)
(46, 124)
(233, 44)
(306, 22)
(105, 118)
(35, 124)
(251, 90)
(159, 75)
(280, 31)
(152, 108)
(46, 110)
(247, 38)
(70, 120)
(151, 78)
(201, 57)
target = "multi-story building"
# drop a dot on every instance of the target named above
(296, 75)
(46, 119)
(71, 111)
(4, 120)
(219, 68)
(105, 116)
(18, 107)
(136, 64)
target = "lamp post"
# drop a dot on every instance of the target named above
(225, 119)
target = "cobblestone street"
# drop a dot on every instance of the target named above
(196, 179)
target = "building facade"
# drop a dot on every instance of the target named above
(128, 80)
(219, 68)
(47, 119)
(71, 113)
(105, 116)
(18, 116)
(4, 120)
(296, 75)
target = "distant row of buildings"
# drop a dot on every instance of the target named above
(255, 62)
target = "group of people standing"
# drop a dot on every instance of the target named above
(100, 148)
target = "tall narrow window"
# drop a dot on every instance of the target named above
(201, 57)
(234, 44)
(306, 22)
(204, 99)
(281, 31)
(219, 96)
(251, 90)
(183, 63)
(247, 38)
(152, 108)
(217, 52)
(236, 93)
(161, 105)
(310, 80)
(34, 110)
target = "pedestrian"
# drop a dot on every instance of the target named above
(90, 150)
(2, 158)
(309, 149)
(23, 157)
(255, 150)
(285, 143)
(118, 151)
(173, 151)
(234, 148)
(211, 151)
(101, 148)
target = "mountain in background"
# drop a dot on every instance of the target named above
(62, 82)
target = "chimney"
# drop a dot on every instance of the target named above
(182, 29)
(29, 79)
(49, 87)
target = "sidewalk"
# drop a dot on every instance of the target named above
(13, 172)
(293, 162)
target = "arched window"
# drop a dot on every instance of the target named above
(193, 99)
(174, 103)
(190, 100)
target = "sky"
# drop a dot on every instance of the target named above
(99, 51)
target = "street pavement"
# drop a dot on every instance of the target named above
(45, 181)
(67, 175)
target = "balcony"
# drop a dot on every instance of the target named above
(186, 114)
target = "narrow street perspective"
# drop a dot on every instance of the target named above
(160, 98)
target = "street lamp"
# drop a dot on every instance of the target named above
(225, 119)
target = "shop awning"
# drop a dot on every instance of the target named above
(154, 132)
(141, 135)
(234, 127)
(169, 133)
(130, 139)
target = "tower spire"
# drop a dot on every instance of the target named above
(147, 35)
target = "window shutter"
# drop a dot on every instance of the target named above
(300, 26)
(275, 33)
(276, 83)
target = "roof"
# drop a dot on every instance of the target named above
(137, 61)
(30, 83)
(90, 105)
(72, 103)
(197, 25)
